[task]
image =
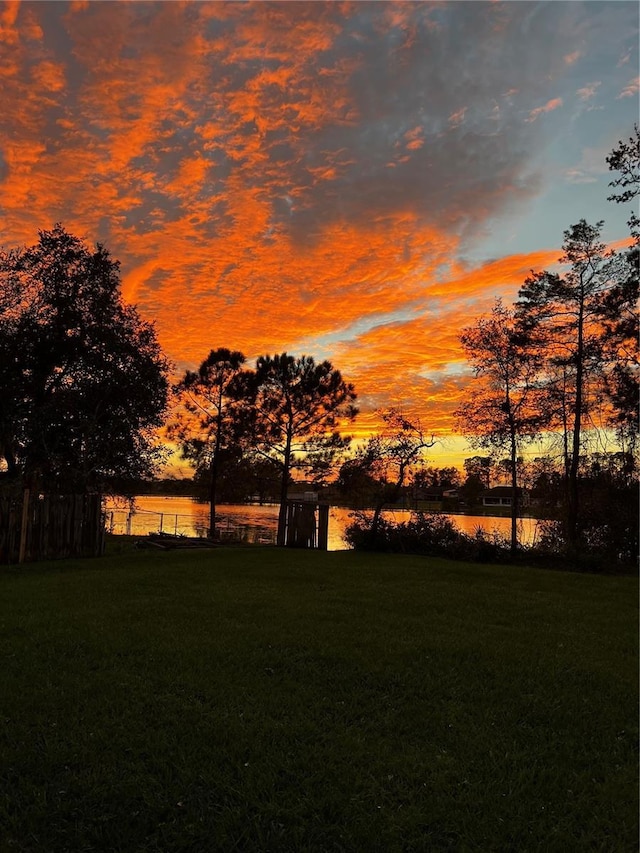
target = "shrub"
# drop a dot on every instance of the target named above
(429, 534)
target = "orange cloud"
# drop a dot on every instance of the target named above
(8, 17)
(553, 104)
(282, 176)
(49, 76)
(418, 363)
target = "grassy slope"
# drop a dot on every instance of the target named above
(268, 700)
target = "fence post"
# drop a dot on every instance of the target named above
(323, 527)
(23, 526)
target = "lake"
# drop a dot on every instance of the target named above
(257, 524)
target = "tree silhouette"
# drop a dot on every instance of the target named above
(618, 314)
(296, 413)
(625, 159)
(84, 382)
(206, 422)
(504, 409)
(620, 305)
(444, 478)
(562, 314)
(386, 460)
(480, 468)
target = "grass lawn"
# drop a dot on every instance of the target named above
(262, 699)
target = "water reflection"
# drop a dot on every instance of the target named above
(257, 524)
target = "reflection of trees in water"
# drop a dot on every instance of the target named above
(243, 528)
(258, 524)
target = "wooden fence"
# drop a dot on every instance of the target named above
(306, 525)
(49, 527)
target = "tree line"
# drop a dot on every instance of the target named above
(563, 360)
(86, 387)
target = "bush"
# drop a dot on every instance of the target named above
(607, 545)
(361, 537)
(429, 534)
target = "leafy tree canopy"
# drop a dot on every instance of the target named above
(385, 461)
(83, 376)
(206, 422)
(297, 410)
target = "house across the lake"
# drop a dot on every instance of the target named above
(434, 498)
(501, 496)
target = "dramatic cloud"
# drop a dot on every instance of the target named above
(351, 180)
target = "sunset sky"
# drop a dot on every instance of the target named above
(354, 181)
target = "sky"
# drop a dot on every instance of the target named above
(348, 180)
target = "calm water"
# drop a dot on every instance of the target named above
(257, 524)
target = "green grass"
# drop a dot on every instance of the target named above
(272, 700)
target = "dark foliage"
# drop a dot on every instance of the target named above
(609, 541)
(584, 323)
(295, 413)
(242, 477)
(505, 410)
(207, 424)
(380, 469)
(430, 534)
(625, 159)
(84, 382)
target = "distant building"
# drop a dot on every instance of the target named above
(501, 496)
(434, 497)
(431, 495)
